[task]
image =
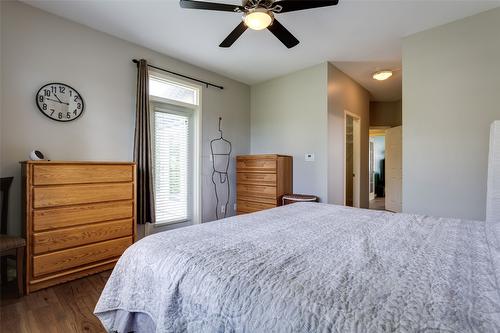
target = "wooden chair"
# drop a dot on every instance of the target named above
(10, 245)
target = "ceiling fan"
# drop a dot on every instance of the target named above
(259, 15)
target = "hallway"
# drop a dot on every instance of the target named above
(377, 203)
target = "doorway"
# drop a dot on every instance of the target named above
(352, 150)
(377, 168)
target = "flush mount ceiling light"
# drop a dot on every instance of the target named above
(382, 75)
(258, 18)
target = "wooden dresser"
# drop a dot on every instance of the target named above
(261, 181)
(79, 218)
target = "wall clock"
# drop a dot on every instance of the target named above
(60, 102)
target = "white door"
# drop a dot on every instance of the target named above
(393, 169)
(356, 162)
(371, 175)
(352, 151)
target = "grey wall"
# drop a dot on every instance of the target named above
(37, 47)
(386, 113)
(344, 94)
(289, 116)
(303, 112)
(451, 95)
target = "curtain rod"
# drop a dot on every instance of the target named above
(182, 75)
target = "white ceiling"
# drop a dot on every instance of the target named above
(362, 71)
(357, 36)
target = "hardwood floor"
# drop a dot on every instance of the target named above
(377, 204)
(64, 308)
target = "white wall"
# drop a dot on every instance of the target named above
(344, 94)
(38, 47)
(289, 116)
(451, 95)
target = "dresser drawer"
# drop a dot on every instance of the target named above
(80, 194)
(256, 165)
(256, 191)
(66, 259)
(250, 206)
(268, 179)
(75, 236)
(81, 174)
(60, 217)
(265, 200)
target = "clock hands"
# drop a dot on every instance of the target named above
(56, 100)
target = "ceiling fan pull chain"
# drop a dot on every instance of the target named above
(276, 8)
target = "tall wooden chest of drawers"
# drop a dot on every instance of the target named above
(79, 218)
(261, 181)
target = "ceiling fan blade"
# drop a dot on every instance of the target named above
(234, 35)
(293, 5)
(191, 4)
(283, 34)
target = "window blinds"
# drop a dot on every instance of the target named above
(173, 155)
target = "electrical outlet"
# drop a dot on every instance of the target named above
(222, 209)
(234, 207)
(309, 157)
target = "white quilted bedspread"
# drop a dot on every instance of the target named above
(307, 267)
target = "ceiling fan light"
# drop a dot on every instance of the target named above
(258, 19)
(382, 75)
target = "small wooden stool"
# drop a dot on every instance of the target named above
(293, 198)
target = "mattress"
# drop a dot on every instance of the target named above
(307, 267)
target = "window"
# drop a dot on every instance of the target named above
(172, 165)
(175, 114)
(174, 91)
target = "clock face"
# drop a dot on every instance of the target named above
(60, 102)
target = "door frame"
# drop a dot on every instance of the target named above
(375, 131)
(356, 185)
(371, 167)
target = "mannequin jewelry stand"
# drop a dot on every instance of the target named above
(221, 154)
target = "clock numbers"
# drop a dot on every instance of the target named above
(59, 102)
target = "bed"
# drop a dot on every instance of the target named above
(311, 267)
(308, 267)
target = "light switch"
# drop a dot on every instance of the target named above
(309, 157)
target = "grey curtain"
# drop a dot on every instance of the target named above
(142, 148)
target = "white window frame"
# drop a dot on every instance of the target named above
(196, 110)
